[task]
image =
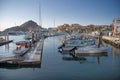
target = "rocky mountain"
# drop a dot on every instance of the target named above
(24, 27)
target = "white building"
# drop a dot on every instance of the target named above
(116, 25)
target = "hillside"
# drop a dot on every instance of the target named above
(24, 27)
(81, 29)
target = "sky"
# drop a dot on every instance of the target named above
(83, 12)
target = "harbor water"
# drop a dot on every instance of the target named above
(54, 66)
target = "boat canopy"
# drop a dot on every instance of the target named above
(21, 43)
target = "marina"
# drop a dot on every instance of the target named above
(61, 66)
(59, 40)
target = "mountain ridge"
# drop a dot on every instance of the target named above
(30, 24)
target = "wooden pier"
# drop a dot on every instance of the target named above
(31, 58)
(114, 41)
(7, 59)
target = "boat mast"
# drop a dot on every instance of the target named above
(40, 19)
(54, 22)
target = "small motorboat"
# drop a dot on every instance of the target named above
(68, 49)
(21, 48)
(21, 43)
(75, 44)
(91, 51)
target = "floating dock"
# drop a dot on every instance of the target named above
(5, 42)
(7, 59)
(33, 57)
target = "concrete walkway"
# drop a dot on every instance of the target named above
(35, 54)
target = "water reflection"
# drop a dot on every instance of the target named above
(16, 66)
(81, 59)
(7, 47)
(115, 52)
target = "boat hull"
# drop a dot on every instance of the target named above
(92, 51)
(21, 52)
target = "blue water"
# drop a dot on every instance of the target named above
(54, 67)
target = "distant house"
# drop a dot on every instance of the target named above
(116, 26)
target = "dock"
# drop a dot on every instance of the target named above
(33, 57)
(7, 59)
(5, 42)
(114, 41)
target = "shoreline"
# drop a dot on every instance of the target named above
(114, 41)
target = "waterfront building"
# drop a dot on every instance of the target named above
(116, 26)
